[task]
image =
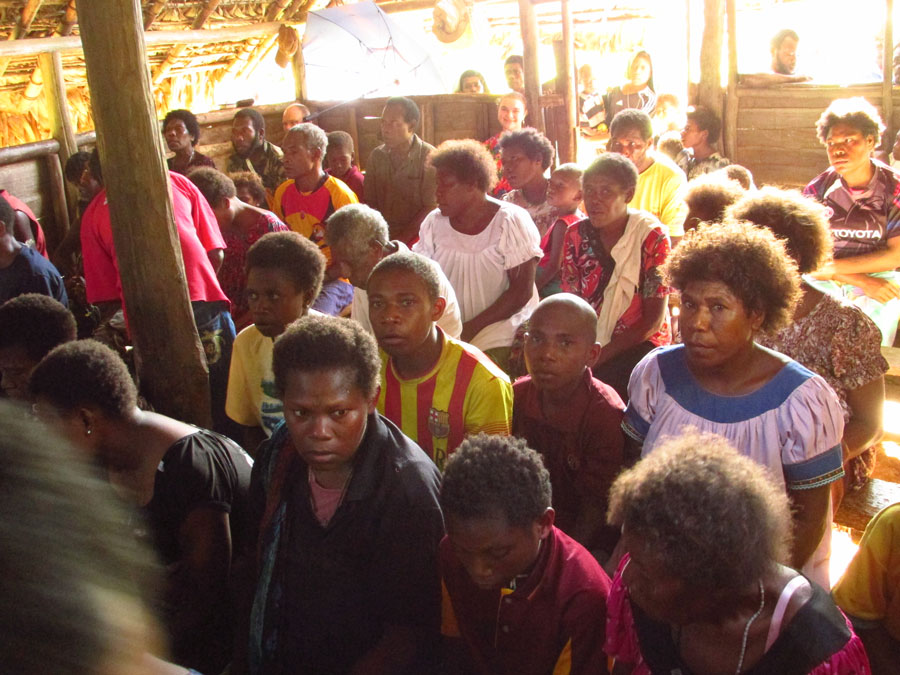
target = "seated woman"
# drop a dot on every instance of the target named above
(865, 223)
(487, 248)
(242, 225)
(182, 133)
(511, 112)
(736, 281)
(703, 587)
(526, 155)
(613, 260)
(828, 335)
(190, 485)
(472, 82)
(637, 92)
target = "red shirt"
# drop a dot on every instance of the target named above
(559, 609)
(583, 448)
(198, 233)
(354, 179)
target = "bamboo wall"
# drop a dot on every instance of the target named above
(776, 129)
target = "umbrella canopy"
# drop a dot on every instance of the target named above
(357, 51)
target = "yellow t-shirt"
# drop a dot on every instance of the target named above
(251, 398)
(660, 191)
(465, 393)
(870, 588)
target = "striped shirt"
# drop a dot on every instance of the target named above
(464, 393)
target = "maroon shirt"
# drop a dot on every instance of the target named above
(354, 179)
(583, 448)
(561, 605)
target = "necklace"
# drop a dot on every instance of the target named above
(312, 497)
(762, 603)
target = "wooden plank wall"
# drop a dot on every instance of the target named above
(444, 117)
(776, 129)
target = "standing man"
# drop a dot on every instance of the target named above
(784, 62)
(307, 199)
(514, 70)
(398, 181)
(252, 152)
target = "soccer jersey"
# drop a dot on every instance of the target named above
(465, 393)
(306, 212)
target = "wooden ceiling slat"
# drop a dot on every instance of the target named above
(175, 53)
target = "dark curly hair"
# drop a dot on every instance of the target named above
(82, 374)
(292, 254)
(748, 259)
(492, 475)
(628, 119)
(709, 196)
(255, 117)
(530, 141)
(706, 120)
(253, 183)
(76, 165)
(214, 185)
(710, 515)
(800, 222)
(190, 123)
(37, 323)
(615, 166)
(856, 112)
(468, 161)
(414, 263)
(317, 343)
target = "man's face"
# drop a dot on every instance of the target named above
(691, 135)
(15, 368)
(338, 161)
(784, 59)
(395, 130)
(273, 300)
(401, 312)
(494, 552)
(299, 161)
(326, 413)
(631, 144)
(558, 346)
(88, 186)
(515, 76)
(244, 137)
(357, 270)
(292, 116)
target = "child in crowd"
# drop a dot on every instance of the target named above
(348, 516)
(340, 161)
(564, 194)
(523, 596)
(708, 196)
(571, 418)
(435, 388)
(30, 326)
(249, 189)
(284, 275)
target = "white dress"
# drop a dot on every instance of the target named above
(792, 425)
(477, 264)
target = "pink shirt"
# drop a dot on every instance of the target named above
(198, 233)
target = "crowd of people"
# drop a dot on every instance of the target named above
(457, 425)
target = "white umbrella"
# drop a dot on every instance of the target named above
(357, 51)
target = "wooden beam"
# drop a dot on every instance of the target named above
(26, 17)
(175, 53)
(72, 43)
(729, 138)
(170, 360)
(70, 18)
(61, 127)
(569, 89)
(27, 151)
(298, 67)
(60, 201)
(888, 81)
(709, 93)
(153, 12)
(529, 28)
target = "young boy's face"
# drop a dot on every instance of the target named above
(15, 367)
(493, 551)
(274, 300)
(558, 347)
(338, 161)
(401, 311)
(564, 191)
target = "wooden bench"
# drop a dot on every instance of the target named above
(858, 508)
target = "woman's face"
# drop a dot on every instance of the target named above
(640, 71)
(848, 150)
(511, 114)
(605, 200)
(651, 586)
(716, 328)
(472, 85)
(453, 197)
(520, 169)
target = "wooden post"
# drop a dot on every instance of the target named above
(299, 69)
(729, 138)
(569, 84)
(709, 93)
(59, 200)
(170, 359)
(887, 85)
(61, 127)
(529, 26)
